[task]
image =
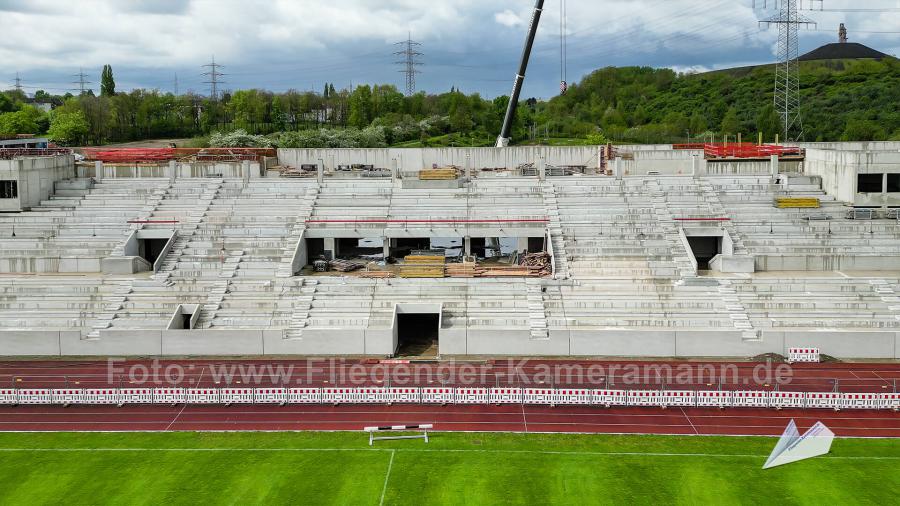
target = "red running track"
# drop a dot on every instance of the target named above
(509, 418)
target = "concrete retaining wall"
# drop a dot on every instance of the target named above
(453, 341)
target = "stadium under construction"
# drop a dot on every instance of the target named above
(662, 251)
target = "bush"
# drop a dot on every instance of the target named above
(239, 139)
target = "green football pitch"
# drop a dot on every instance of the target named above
(454, 468)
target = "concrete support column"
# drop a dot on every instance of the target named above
(617, 168)
(245, 171)
(394, 170)
(173, 171)
(386, 248)
(694, 165)
(522, 244)
(98, 170)
(542, 168)
(773, 165)
(330, 248)
(320, 172)
(467, 246)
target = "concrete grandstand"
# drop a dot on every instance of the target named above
(654, 251)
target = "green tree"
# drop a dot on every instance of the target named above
(24, 121)
(68, 127)
(731, 125)
(361, 107)
(107, 82)
(768, 122)
(698, 124)
(863, 130)
(6, 103)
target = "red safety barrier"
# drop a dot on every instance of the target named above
(10, 153)
(749, 150)
(543, 220)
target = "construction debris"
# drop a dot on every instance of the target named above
(346, 265)
(377, 275)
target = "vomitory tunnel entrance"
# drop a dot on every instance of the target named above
(417, 330)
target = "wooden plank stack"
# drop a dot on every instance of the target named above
(797, 203)
(439, 174)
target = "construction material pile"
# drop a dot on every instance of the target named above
(164, 155)
(444, 174)
(532, 265)
(346, 265)
(424, 264)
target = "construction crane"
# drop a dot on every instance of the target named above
(503, 140)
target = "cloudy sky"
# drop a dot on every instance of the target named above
(471, 44)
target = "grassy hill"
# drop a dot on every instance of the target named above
(841, 100)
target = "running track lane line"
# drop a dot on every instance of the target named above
(437, 450)
(387, 477)
(689, 421)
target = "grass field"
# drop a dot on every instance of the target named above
(455, 468)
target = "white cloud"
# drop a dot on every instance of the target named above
(508, 18)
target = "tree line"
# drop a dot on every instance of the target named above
(842, 100)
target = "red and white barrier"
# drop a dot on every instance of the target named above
(471, 396)
(66, 396)
(827, 400)
(646, 398)
(236, 395)
(713, 399)
(305, 396)
(404, 395)
(577, 396)
(540, 396)
(102, 396)
(680, 398)
(750, 399)
(438, 395)
(810, 355)
(787, 399)
(371, 395)
(169, 396)
(861, 401)
(890, 401)
(137, 395)
(506, 396)
(34, 396)
(338, 395)
(9, 397)
(270, 395)
(610, 397)
(202, 396)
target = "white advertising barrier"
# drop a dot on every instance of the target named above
(437, 395)
(646, 398)
(610, 398)
(270, 395)
(304, 395)
(406, 395)
(861, 401)
(575, 396)
(890, 401)
(810, 355)
(471, 396)
(371, 395)
(506, 396)
(102, 396)
(66, 396)
(236, 395)
(750, 399)
(540, 396)
(828, 400)
(137, 395)
(787, 399)
(338, 395)
(34, 396)
(169, 396)
(9, 397)
(202, 395)
(680, 398)
(713, 399)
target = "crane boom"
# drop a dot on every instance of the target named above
(503, 140)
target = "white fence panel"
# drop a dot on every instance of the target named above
(828, 400)
(9, 396)
(236, 396)
(169, 396)
(575, 396)
(610, 398)
(303, 395)
(861, 401)
(137, 395)
(405, 395)
(102, 396)
(34, 396)
(713, 399)
(506, 396)
(540, 396)
(438, 395)
(471, 396)
(750, 399)
(646, 398)
(787, 399)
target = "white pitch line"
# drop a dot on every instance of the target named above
(690, 422)
(436, 450)
(387, 476)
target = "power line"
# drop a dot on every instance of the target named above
(214, 80)
(787, 71)
(18, 82)
(410, 62)
(81, 82)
